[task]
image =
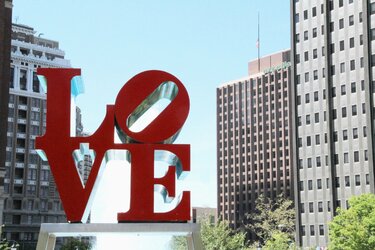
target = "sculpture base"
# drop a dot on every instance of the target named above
(49, 231)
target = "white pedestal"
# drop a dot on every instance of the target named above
(49, 231)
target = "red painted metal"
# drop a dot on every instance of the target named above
(58, 145)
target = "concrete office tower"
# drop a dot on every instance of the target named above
(333, 59)
(254, 137)
(31, 193)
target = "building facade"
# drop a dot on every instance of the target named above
(254, 154)
(5, 43)
(31, 194)
(333, 59)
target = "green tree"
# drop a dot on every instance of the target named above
(214, 237)
(279, 240)
(76, 244)
(220, 236)
(5, 245)
(354, 228)
(270, 217)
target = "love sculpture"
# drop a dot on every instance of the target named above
(134, 99)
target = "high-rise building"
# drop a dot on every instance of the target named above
(31, 193)
(5, 41)
(254, 151)
(333, 57)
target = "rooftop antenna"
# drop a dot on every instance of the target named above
(16, 19)
(258, 44)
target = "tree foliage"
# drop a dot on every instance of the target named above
(75, 244)
(219, 236)
(270, 217)
(354, 228)
(280, 241)
(5, 245)
(214, 237)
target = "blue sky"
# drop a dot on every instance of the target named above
(203, 43)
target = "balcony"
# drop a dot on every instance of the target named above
(20, 150)
(20, 165)
(22, 107)
(18, 181)
(21, 121)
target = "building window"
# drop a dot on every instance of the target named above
(314, 11)
(306, 35)
(311, 207)
(343, 89)
(372, 34)
(342, 67)
(307, 78)
(316, 96)
(354, 110)
(315, 74)
(11, 82)
(364, 131)
(308, 120)
(353, 87)
(341, 23)
(35, 83)
(315, 53)
(351, 20)
(305, 15)
(297, 38)
(318, 162)
(303, 230)
(372, 8)
(360, 18)
(319, 183)
(312, 230)
(343, 112)
(341, 3)
(296, 18)
(308, 139)
(309, 163)
(356, 156)
(346, 157)
(342, 45)
(347, 181)
(367, 179)
(351, 42)
(357, 179)
(352, 64)
(345, 134)
(355, 133)
(317, 142)
(314, 32)
(23, 79)
(320, 206)
(306, 56)
(310, 185)
(316, 116)
(321, 230)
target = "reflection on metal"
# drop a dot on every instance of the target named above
(166, 90)
(49, 232)
(76, 85)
